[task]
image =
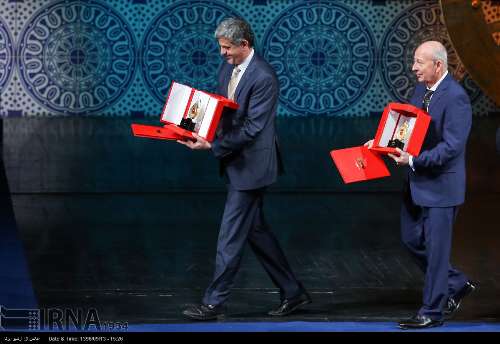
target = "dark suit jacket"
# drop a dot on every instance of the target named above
(439, 177)
(248, 147)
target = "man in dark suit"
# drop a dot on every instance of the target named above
(436, 186)
(247, 148)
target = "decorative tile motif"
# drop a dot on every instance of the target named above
(324, 55)
(118, 57)
(6, 54)
(179, 45)
(77, 57)
(414, 25)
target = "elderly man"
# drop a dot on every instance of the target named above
(436, 186)
(247, 149)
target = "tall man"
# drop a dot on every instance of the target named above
(247, 149)
(436, 186)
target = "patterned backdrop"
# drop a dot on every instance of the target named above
(118, 57)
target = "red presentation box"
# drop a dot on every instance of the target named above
(187, 110)
(403, 126)
(154, 132)
(358, 164)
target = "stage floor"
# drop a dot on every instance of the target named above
(141, 258)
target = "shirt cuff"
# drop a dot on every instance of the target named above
(410, 162)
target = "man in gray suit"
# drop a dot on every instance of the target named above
(247, 148)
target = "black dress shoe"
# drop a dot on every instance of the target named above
(287, 306)
(419, 322)
(454, 301)
(203, 312)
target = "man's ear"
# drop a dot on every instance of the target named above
(244, 44)
(439, 64)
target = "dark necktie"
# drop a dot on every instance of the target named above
(427, 100)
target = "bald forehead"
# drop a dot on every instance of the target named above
(429, 48)
(423, 52)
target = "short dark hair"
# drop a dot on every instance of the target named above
(236, 30)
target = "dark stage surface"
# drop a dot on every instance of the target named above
(128, 226)
(141, 258)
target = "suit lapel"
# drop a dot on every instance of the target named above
(246, 76)
(418, 97)
(440, 91)
(226, 78)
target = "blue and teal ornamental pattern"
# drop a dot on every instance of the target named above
(332, 57)
(180, 46)
(324, 55)
(77, 57)
(419, 23)
(6, 54)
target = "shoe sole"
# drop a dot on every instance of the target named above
(420, 328)
(200, 318)
(449, 316)
(303, 303)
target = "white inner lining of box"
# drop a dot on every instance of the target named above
(395, 118)
(202, 99)
(209, 115)
(176, 103)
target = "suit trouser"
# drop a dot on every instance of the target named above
(243, 221)
(427, 233)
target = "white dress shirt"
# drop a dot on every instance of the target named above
(243, 67)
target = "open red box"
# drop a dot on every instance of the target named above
(187, 110)
(402, 124)
(358, 164)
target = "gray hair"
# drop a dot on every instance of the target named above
(236, 30)
(439, 53)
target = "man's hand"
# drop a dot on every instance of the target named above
(199, 144)
(401, 159)
(369, 144)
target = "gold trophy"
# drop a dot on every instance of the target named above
(195, 110)
(400, 136)
(189, 122)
